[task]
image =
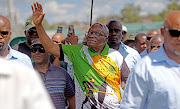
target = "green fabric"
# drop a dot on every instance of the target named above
(104, 52)
(82, 69)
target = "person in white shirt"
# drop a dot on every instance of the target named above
(22, 88)
(130, 55)
(153, 82)
(5, 50)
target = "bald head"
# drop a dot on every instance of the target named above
(152, 33)
(4, 22)
(57, 38)
(172, 20)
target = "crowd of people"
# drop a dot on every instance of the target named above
(106, 73)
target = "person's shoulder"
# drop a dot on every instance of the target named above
(18, 54)
(114, 52)
(58, 69)
(131, 50)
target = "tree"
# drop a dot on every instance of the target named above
(102, 19)
(172, 6)
(130, 13)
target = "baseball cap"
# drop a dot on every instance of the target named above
(35, 42)
(29, 24)
(124, 28)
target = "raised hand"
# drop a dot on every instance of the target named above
(38, 14)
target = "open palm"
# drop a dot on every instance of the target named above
(37, 13)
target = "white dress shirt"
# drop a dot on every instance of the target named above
(17, 56)
(22, 88)
(130, 55)
(153, 83)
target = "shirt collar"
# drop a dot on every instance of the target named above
(10, 54)
(161, 56)
(104, 52)
(122, 46)
(51, 67)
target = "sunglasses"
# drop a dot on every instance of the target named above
(173, 33)
(31, 32)
(148, 38)
(124, 32)
(41, 50)
(115, 30)
(4, 33)
(154, 46)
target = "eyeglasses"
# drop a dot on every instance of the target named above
(173, 33)
(94, 34)
(152, 46)
(115, 30)
(41, 50)
(31, 32)
(4, 33)
(148, 38)
(124, 32)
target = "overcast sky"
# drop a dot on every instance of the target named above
(78, 10)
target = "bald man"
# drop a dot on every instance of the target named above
(153, 83)
(57, 38)
(150, 34)
(5, 50)
(155, 43)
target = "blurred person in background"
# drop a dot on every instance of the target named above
(140, 42)
(130, 55)
(155, 42)
(150, 34)
(30, 33)
(124, 33)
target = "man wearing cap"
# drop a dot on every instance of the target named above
(30, 33)
(57, 81)
(130, 55)
(6, 51)
(124, 33)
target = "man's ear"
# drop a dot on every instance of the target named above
(162, 31)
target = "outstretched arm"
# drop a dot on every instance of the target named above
(47, 43)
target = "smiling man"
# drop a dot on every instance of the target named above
(97, 68)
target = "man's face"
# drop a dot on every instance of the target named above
(96, 36)
(171, 43)
(155, 44)
(115, 33)
(31, 34)
(5, 34)
(39, 55)
(141, 44)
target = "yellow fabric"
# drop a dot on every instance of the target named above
(107, 68)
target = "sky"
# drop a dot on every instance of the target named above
(78, 10)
